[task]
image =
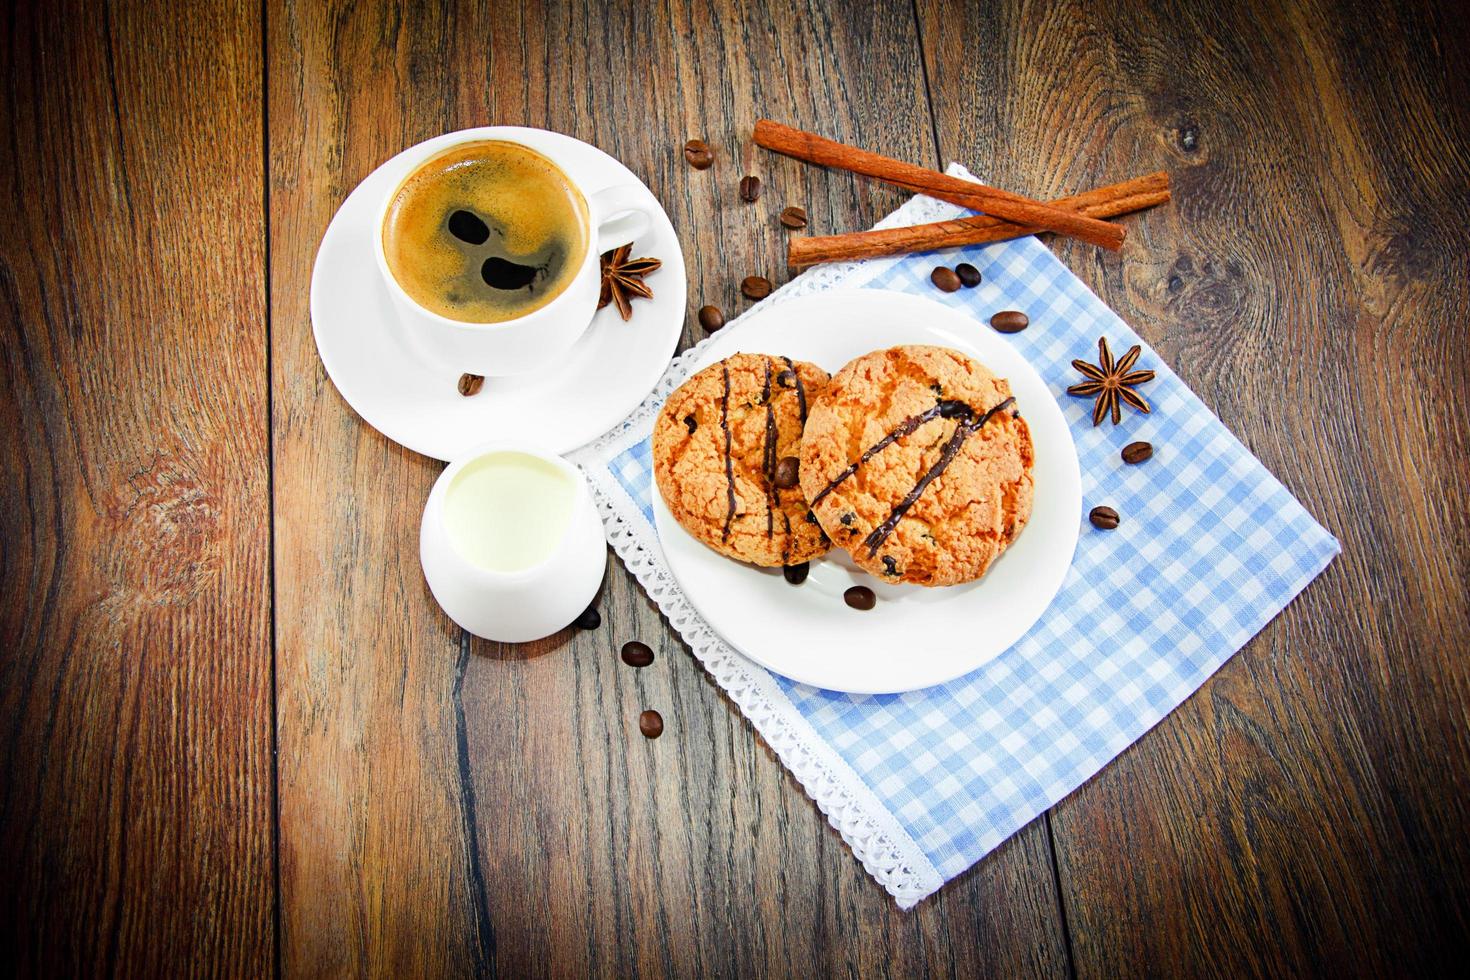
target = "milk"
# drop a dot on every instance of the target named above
(508, 511)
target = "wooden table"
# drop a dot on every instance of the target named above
(238, 735)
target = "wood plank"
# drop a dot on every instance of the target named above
(135, 814)
(1304, 813)
(449, 807)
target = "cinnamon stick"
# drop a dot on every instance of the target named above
(1001, 204)
(1103, 202)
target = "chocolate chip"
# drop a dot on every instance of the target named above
(691, 423)
(636, 654)
(1137, 452)
(1103, 518)
(954, 409)
(788, 472)
(710, 318)
(860, 597)
(589, 620)
(969, 275)
(847, 518)
(750, 188)
(890, 567)
(945, 278)
(651, 724)
(470, 384)
(793, 217)
(796, 574)
(1010, 321)
(811, 518)
(786, 379)
(699, 155)
(755, 287)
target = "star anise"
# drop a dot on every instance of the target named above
(1112, 382)
(622, 279)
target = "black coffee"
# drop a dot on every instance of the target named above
(485, 231)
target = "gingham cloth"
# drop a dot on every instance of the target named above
(1211, 547)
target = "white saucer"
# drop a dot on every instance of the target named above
(916, 637)
(416, 402)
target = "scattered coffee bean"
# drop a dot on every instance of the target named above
(796, 574)
(1137, 452)
(470, 384)
(755, 287)
(860, 597)
(793, 217)
(699, 155)
(788, 472)
(945, 278)
(636, 654)
(1010, 321)
(750, 188)
(710, 318)
(651, 724)
(1103, 518)
(589, 620)
(691, 423)
(786, 379)
(969, 275)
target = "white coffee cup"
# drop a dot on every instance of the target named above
(617, 215)
(511, 544)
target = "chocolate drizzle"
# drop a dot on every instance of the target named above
(800, 388)
(768, 456)
(729, 466)
(951, 449)
(904, 428)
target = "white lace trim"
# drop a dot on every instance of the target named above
(880, 842)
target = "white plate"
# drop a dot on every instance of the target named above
(916, 637)
(415, 401)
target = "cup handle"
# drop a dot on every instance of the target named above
(622, 215)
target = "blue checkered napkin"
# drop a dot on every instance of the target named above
(1211, 547)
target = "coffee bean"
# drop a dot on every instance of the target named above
(788, 472)
(651, 724)
(969, 275)
(589, 620)
(1010, 321)
(691, 423)
(699, 155)
(793, 217)
(860, 597)
(755, 287)
(470, 384)
(710, 318)
(1137, 452)
(1103, 518)
(796, 574)
(750, 188)
(786, 379)
(944, 277)
(637, 654)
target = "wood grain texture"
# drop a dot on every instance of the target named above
(457, 806)
(135, 801)
(1306, 812)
